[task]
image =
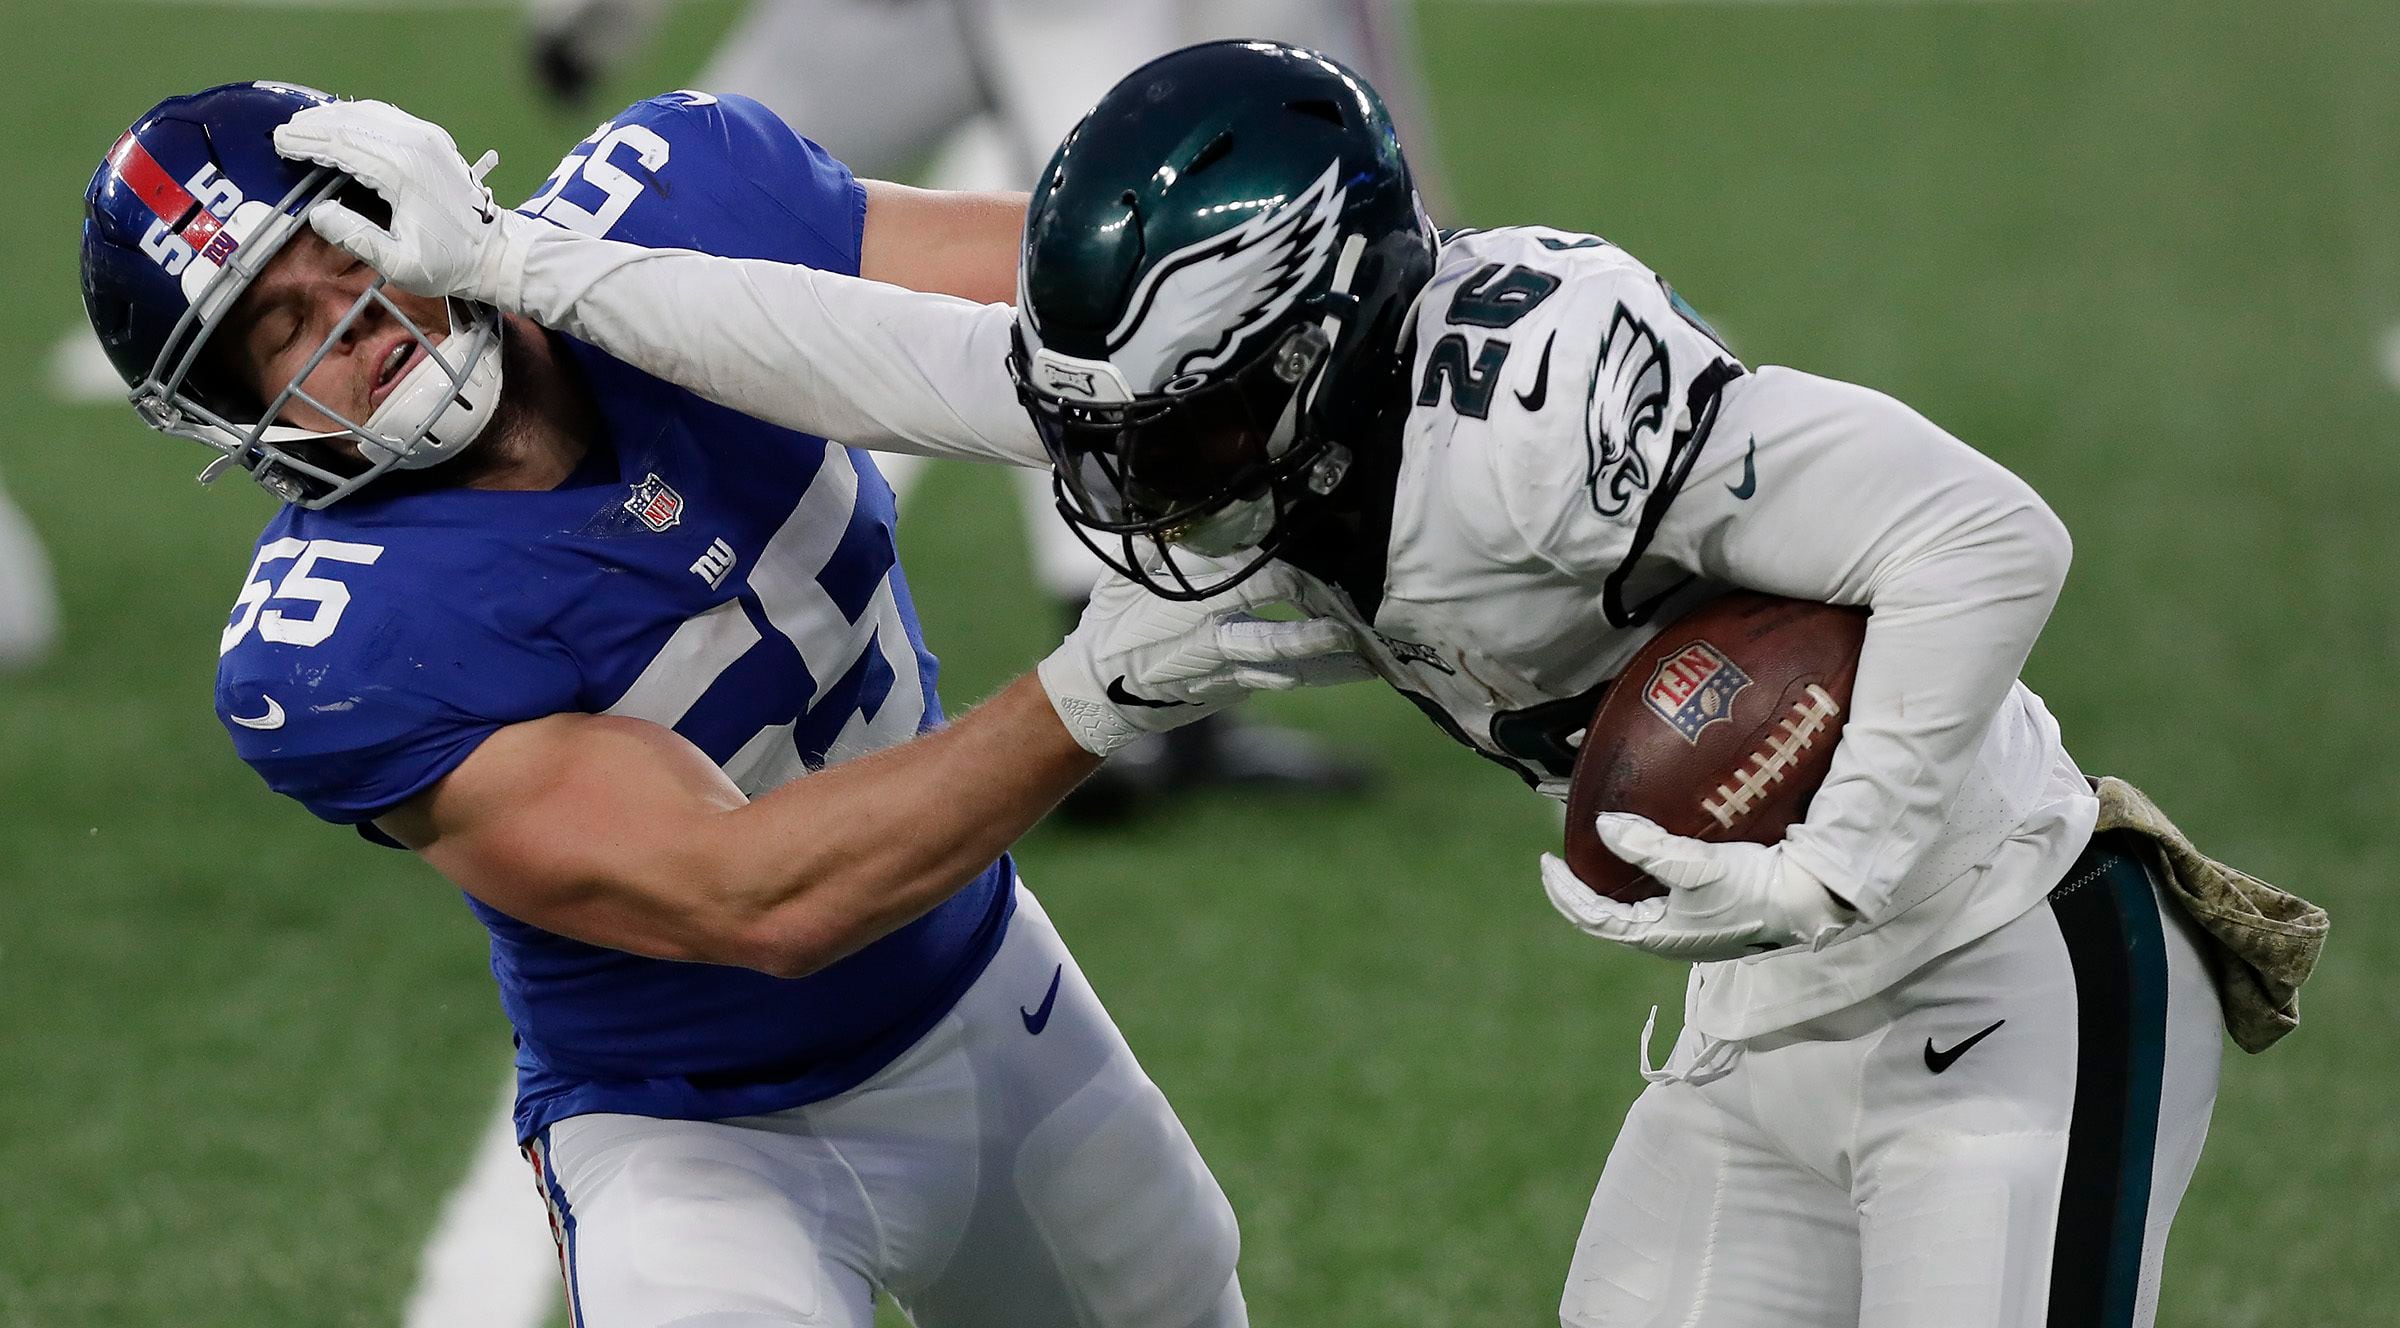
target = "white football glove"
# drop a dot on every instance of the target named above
(1723, 901)
(1140, 664)
(447, 236)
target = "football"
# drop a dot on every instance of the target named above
(1721, 728)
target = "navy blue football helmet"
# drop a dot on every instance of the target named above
(186, 211)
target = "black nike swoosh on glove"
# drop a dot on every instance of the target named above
(1118, 694)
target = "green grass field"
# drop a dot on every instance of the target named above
(2146, 254)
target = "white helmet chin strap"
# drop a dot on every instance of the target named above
(439, 406)
(436, 411)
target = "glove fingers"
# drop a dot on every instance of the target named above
(1592, 911)
(299, 139)
(1668, 859)
(328, 151)
(1263, 678)
(1258, 640)
(1289, 674)
(344, 229)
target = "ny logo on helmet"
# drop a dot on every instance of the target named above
(217, 197)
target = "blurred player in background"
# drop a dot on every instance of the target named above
(1951, 1046)
(642, 676)
(28, 599)
(973, 94)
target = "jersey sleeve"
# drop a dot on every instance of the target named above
(721, 174)
(701, 241)
(1826, 491)
(1685, 470)
(351, 681)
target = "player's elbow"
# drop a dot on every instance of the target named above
(782, 928)
(2040, 541)
(792, 912)
(787, 947)
(799, 924)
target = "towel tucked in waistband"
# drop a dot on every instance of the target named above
(2265, 940)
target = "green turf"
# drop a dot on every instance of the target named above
(2143, 253)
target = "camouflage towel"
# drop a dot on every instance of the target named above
(2265, 940)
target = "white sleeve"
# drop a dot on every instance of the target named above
(871, 365)
(1825, 491)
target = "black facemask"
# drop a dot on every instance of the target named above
(1135, 477)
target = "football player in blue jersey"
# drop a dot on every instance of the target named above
(640, 674)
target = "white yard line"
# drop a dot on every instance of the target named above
(489, 1263)
(80, 372)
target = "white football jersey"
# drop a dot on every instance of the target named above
(1584, 462)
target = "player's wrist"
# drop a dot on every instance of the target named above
(498, 275)
(1081, 704)
(1811, 911)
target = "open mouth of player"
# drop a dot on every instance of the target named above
(394, 365)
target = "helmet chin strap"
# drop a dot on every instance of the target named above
(1233, 528)
(436, 410)
(438, 428)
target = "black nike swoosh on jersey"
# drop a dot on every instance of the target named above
(1540, 395)
(1038, 1019)
(1118, 694)
(1938, 1061)
(1749, 484)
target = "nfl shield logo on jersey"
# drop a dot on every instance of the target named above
(655, 503)
(1694, 688)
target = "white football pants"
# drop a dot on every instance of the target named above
(1999, 1141)
(1015, 1169)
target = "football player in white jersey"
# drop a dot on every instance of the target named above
(1948, 1058)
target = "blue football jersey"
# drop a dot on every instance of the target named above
(731, 580)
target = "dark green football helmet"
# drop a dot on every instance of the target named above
(1219, 263)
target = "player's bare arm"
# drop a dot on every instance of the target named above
(620, 833)
(951, 242)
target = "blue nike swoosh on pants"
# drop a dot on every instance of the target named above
(1037, 1020)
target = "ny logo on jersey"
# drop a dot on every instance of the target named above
(716, 564)
(657, 504)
